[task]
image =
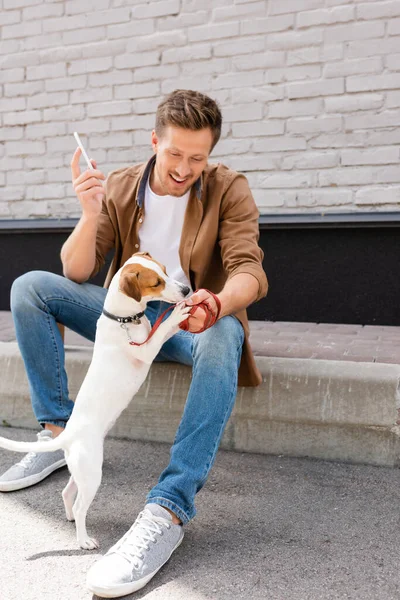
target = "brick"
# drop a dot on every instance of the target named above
(338, 140)
(46, 99)
(233, 80)
(19, 60)
(378, 10)
(22, 117)
(291, 108)
(74, 7)
(302, 56)
(394, 27)
(132, 122)
(17, 104)
(66, 83)
(44, 130)
(360, 175)
(374, 156)
(252, 129)
(45, 192)
(341, 14)
(251, 9)
(46, 71)
(393, 99)
(90, 65)
(263, 60)
(384, 81)
(311, 160)
(368, 121)
(25, 148)
(331, 52)
(13, 75)
(201, 83)
(105, 109)
(111, 78)
(43, 11)
(393, 62)
(244, 112)
(324, 197)
(97, 49)
(279, 144)
(353, 103)
(156, 9)
(64, 113)
(355, 31)
(26, 177)
(90, 126)
(103, 94)
(11, 133)
(214, 31)
(108, 17)
(137, 90)
(267, 24)
(113, 140)
(294, 39)
(130, 29)
(160, 41)
(314, 125)
(64, 24)
(353, 67)
(84, 36)
(378, 195)
(278, 7)
(231, 146)
(194, 52)
(252, 163)
(182, 21)
(284, 179)
(373, 47)
(130, 61)
(308, 89)
(293, 73)
(10, 17)
(161, 72)
(264, 93)
(20, 3)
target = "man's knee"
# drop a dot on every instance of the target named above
(224, 338)
(30, 285)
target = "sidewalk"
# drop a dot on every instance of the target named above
(268, 528)
(355, 343)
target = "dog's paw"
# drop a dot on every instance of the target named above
(88, 544)
(179, 314)
(70, 516)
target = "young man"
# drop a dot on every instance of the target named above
(201, 221)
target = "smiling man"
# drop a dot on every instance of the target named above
(200, 220)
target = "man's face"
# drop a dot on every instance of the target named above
(182, 155)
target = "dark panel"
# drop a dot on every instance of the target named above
(331, 275)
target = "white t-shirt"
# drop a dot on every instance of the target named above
(161, 230)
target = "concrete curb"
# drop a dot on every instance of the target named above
(318, 408)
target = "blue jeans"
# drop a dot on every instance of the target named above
(39, 300)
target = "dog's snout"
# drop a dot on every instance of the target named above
(185, 290)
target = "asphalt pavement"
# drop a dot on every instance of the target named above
(268, 527)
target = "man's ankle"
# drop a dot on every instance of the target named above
(55, 429)
(175, 519)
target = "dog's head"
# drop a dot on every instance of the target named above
(144, 278)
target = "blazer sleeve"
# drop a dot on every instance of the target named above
(239, 234)
(106, 236)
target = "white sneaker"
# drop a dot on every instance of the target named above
(130, 564)
(34, 467)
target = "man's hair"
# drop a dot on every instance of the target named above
(189, 110)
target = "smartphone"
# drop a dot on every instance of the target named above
(84, 153)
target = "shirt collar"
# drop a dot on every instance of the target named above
(198, 185)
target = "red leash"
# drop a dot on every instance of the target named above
(211, 318)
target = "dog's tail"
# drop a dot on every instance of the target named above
(49, 446)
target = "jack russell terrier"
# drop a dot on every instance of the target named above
(120, 363)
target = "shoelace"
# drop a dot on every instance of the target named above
(27, 460)
(137, 539)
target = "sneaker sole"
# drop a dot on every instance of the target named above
(127, 588)
(20, 484)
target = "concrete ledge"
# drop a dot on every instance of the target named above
(318, 408)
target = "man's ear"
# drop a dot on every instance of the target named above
(129, 285)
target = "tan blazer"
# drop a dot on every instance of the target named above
(219, 236)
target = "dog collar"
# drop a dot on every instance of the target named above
(132, 319)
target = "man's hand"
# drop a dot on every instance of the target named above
(87, 186)
(197, 321)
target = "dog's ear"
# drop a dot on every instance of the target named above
(147, 254)
(129, 286)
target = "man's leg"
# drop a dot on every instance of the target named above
(38, 301)
(136, 558)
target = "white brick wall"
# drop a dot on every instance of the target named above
(310, 93)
